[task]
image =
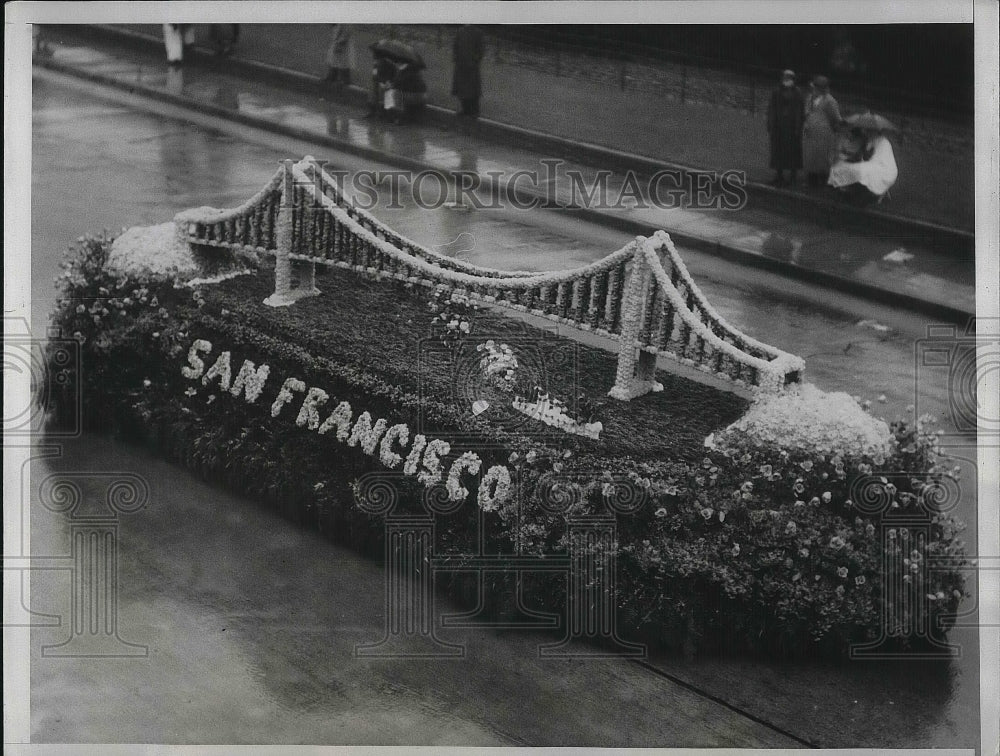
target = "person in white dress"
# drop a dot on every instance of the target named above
(176, 37)
(873, 171)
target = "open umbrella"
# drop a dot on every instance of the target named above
(871, 122)
(398, 51)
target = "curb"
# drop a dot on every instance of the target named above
(945, 240)
(511, 192)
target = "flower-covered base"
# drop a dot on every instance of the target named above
(287, 298)
(342, 409)
(807, 418)
(634, 388)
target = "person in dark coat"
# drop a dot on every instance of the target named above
(383, 72)
(224, 37)
(338, 56)
(467, 54)
(784, 125)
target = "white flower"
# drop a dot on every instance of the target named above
(146, 383)
(221, 370)
(285, 394)
(340, 419)
(398, 433)
(195, 366)
(250, 380)
(366, 434)
(494, 488)
(468, 462)
(309, 414)
(431, 473)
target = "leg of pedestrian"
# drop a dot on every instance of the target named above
(173, 41)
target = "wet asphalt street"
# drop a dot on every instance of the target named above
(250, 621)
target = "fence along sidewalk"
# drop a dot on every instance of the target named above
(641, 295)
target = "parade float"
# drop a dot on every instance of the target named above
(526, 427)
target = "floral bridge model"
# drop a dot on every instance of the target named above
(419, 386)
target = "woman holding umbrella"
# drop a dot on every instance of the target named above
(869, 178)
(397, 84)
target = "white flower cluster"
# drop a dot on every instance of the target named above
(468, 462)
(424, 459)
(249, 380)
(498, 364)
(151, 250)
(495, 488)
(806, 418)
(455, 323)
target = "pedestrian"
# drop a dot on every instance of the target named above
(412, 91)
(177, 38)
(338, 56)
(784, 126)
(822, 118)
(224, 37)
(383, 74)
(467, 54)
(865, 176)
(41, 45)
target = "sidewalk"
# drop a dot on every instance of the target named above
(938, 285)
(936, 158)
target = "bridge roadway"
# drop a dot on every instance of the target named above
(250, 621)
